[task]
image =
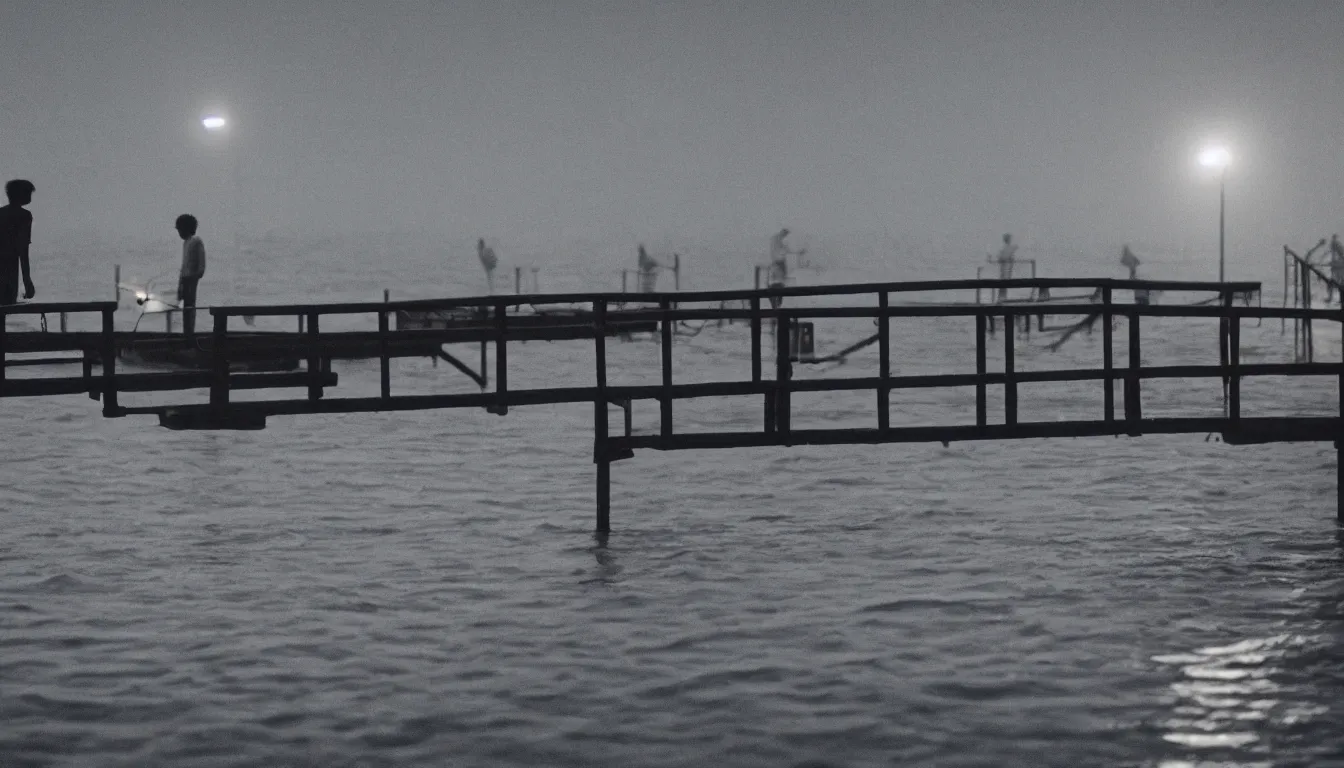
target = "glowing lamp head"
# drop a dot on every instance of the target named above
(214, 123)
(1217, 158)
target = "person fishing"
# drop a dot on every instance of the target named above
(1336, 269)
(1131, 262)
(193, 269)
(16, 234)
(489, 261)
(1007, 256)
(648, 270)
(779, 263)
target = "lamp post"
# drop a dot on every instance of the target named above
(217, 124)
(1218, 158)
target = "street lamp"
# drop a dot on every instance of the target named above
(1218, 158)
(214, 123)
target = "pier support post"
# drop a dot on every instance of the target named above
(676, 272)
(981, 404)
(116, 284)
(1339, 484)
(601, 456)
(884, 364)
(1108, 355)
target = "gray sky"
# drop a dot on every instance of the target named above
(522, 121)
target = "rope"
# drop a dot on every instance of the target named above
(844, 353)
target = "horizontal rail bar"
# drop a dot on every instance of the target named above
(54, 307)
(617, 299)
(1270, 429)
(991, 310)
(158, 382)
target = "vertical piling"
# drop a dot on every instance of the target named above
(884, 364)
(1233, 371)
(314, 359)
(676, 272)
(501, 358)
(116, 284)
(783, 372)
(384, 358)
(63, 323)
(219, 382)
(1133, 408)
(981, 406)
(485, 370)
(625, 276)
(1108, 354)
(517, 280)
(109, 343)
(1009, 373)
(4, 321)
(600, 428)
(665, 400)
(756, 278)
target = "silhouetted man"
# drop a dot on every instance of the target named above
(1007, 256)
(16, 234)
(1336, 268)
(648, 271)
(779, 263)
(488, 260)
(193, 269)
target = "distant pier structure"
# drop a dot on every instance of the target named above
(232, 358)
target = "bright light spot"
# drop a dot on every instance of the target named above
(1215, 157)
(214, 123)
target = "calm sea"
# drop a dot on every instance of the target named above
(423, 588)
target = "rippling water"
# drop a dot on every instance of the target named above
(423, 588)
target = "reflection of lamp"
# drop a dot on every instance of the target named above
(1219, 158)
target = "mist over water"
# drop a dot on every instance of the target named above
(422, 588)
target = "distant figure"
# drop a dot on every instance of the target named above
(488, 260)
(193, 269)
(779, 263)
(1336, 268)
(1005, 259)
(16, 234)
(648, 271)
(1131, 262)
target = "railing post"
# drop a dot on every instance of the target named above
(314, 358)
(1133, 407)
(1233, 371)
(755, 338)
(1308, 341)
(600, 427)
(981, 405)
(783, 372)
(116, 284)
(64, 326)
(625, 274)
(109, 364)
(384, 358)
(1107, 354)
(884, 364)
(756, 279)
(676, 272)
(665, 401)
(517, 280)
(1009, 364)
(501, 358)
(219, 383)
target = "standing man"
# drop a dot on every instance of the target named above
(193, 269)
(1007, 255)
(1336, 268)
(488, 260)
(16, 234)
(779, 262)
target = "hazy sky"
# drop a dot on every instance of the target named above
(522, 121)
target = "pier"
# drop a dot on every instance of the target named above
(779, 338)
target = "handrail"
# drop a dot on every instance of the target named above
(37, 308)
(735, 294)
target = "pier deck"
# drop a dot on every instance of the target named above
(493, 322)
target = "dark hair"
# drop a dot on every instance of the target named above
(19, 188)
(187, 222)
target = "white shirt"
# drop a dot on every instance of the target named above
(193, 258)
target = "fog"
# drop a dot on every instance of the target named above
(532, 123)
